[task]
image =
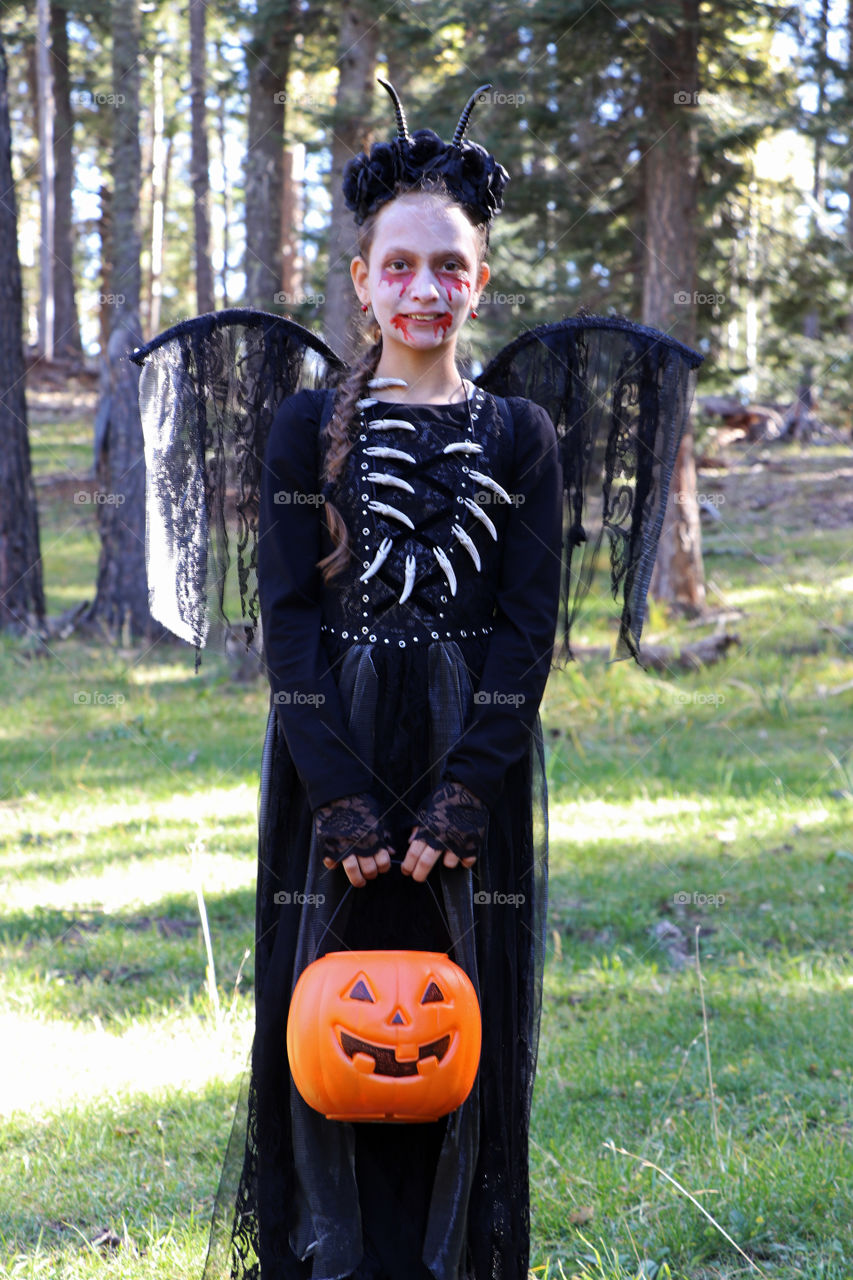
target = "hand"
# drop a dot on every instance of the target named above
(352, 831)
(421, 858)
(453, 822)
(360, 870)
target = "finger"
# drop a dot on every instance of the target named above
(413, 856)
(330, 863)
(468, 862)
(427, 859)
(383, 860)
(351, 867)
(368, 867)
(450, 859)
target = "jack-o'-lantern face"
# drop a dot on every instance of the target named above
(384, 1035)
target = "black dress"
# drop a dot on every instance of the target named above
(373, 695)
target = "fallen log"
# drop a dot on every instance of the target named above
(664, 657)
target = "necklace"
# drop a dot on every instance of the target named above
(382, 384)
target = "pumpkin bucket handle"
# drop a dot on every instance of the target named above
(395, 862)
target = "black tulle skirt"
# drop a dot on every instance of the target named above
(305, 1198)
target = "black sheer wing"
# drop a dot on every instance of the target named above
(619, 395)
(208, 393)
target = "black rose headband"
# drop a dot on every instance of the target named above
(469, 172)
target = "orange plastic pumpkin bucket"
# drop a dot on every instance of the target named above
(384, 1035)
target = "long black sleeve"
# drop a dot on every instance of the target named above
(521, 645)
(290, 589)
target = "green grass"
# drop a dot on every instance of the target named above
(715, 805)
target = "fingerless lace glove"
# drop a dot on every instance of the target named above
(353, 824)
(453, 818)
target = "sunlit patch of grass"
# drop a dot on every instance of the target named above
(712, 808)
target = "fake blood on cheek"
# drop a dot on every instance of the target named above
(450, 282)
(392, 278)
(399, 322)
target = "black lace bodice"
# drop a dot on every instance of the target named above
(425, 495)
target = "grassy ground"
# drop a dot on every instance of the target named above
(710, 810)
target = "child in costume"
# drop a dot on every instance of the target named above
(408, 533)
(408, 622)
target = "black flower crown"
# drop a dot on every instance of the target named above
(468, 171)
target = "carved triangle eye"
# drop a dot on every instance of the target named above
(360, 992)
(433, 994)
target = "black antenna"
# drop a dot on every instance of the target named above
(466, 115)
(402, 130)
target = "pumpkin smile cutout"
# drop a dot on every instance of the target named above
(384, 1035)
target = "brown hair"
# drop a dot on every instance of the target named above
(337, 437)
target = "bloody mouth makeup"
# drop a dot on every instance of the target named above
(440, 323)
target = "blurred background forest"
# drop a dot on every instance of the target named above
(689, 165)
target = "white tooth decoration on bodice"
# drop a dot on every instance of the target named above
(436, 533)
(468, 543)
(384, 477)
(381, 451)
(389, 424)
(477, 510)
(383, 509)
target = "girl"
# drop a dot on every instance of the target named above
(408, 567)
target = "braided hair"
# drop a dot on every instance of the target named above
(338, 437)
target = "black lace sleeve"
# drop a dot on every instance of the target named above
(453, 818)
(351, 825)
(527, 607)
(308, 703)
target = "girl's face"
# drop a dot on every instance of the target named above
(422, 276)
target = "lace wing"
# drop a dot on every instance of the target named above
(619, 395)
(208, 392)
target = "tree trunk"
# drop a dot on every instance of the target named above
(121, 603)
(801, 421)
(222, 138)
(47, 195)
(158, 201)
(66, 324)
(222, 135)
(358, 42)
(105, 221)
(200, 164)
(670, 181)
(268, 59)
(850, 152)
(291, 222)
(21, 592)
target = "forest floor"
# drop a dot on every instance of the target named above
(692, 1113)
